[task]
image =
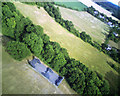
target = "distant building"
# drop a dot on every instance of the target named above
(108, 48)
(101, 16)
(95, 12)
(109, 23)
(47, 72)
(115, 34)
(119, 28)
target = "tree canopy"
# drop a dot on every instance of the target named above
(17, 50)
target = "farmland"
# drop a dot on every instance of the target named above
(83, 21)
(75, 5)
(91, 57)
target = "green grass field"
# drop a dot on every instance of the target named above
(19, 78)
(75, 5)
(83, 21)
(78, 49)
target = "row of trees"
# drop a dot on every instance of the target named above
(106, 20)
(54, 12)
(117, 68)
(32, 38)
(111, 35)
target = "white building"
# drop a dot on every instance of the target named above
(95, 12)
(108, 48)
(115, 34)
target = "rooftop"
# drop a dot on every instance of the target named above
(47, 72)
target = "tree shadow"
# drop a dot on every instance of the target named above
(116, 68)
(5, 40)
(114, 82)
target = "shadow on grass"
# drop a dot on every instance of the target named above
(114, 82)
(117, 69)
(5, 40)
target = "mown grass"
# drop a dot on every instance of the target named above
(83, 21)
(78, 49)
(75, 5)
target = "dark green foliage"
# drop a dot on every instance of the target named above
(34, 42)
(56, 47)
(36, 29)
(84, 81)
(114, 67)
(17, 50)
(65, 53)
(45, 38)
(26, 21)
(85, 37)
(58, 62)
(7, 31)
(6, 11)
(11, 6)
(11, 22)
(48, 53)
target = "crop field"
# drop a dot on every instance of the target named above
(75, 5)
(83, 21)
(78, 49)
(19, 78)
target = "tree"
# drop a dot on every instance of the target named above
(64, 51)
(26, 21)
(56, 47)
(91, 89)
(58, 61)
(6, 11)
(11, 22)
(34, 42)
(45, 38)
(7, 31)
(17, 50)
(48, 53)
(11, 6)
(105, 89)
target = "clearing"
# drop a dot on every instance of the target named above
(77, 48)
(19, 78)
(84, 21)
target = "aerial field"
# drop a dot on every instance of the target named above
(77, 48)
(75, 5)
(84, 21)
(19, 78)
